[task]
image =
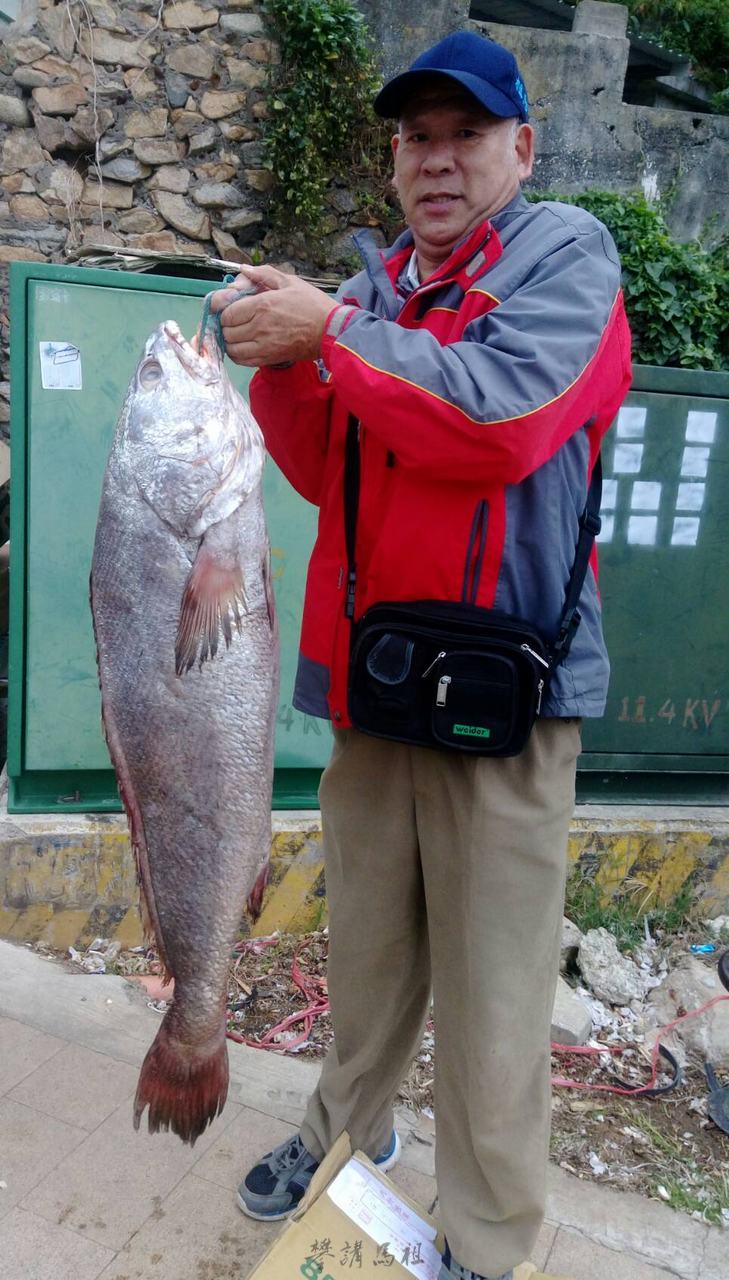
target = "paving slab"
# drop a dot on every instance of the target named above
(627, 1223)
(198, 1235)
(117, 1178)
(78, 1086)
(715, 1262)
(249, 1136)
(30, 1145)
(22, 1049)
(573, 1254)
(33, 1249)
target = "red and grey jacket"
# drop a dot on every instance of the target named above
(482, 397)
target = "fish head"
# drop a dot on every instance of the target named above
(188, 436)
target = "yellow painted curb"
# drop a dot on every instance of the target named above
(69, 879)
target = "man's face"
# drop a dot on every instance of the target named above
(455, 164)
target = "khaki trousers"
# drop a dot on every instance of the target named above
(449, 870)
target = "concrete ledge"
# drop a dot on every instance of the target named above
(68, 879)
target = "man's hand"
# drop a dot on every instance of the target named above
(285, 321)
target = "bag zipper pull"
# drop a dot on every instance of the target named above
(538, 656)
(540, 690)
(437, 658)
(442, 692)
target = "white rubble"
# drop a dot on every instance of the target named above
(690, 985)
(612, 977)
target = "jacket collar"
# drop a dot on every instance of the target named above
(471, 256)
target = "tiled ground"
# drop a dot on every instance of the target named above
(83, 1196)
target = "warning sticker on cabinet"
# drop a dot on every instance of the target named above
(60, 366)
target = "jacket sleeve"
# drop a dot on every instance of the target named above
(522, 379)
(292, 408)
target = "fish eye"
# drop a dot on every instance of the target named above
(150, 374)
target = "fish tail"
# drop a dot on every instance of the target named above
(185, 1088)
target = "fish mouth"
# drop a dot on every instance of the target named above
(204, 365)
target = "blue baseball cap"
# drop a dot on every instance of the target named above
(486, 69)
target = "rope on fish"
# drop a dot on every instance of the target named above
(212, 320)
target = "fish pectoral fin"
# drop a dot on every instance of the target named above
(212, 601)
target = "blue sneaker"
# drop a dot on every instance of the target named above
(452, 1270)
(276, 1185)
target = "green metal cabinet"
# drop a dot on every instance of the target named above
(664, 558)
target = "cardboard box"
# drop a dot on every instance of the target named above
(354, 1222)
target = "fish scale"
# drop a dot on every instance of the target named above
(188, 660)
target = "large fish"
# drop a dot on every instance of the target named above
(188, 665)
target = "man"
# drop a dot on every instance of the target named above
(484, 356)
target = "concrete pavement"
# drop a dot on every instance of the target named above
(84, 1197)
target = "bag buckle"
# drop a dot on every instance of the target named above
(591, 522)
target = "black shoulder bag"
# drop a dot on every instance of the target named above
(452, 675)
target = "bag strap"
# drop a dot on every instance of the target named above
(590, 524)
(589, 528)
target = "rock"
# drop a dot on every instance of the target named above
(57, 26)
(17, 253)
(218, 195)
(125, 169)
(688, 987)
(140, 85)
(101, 235)
(170, 177)
(192, 60)
(215, 106)
(140, 221)
(29, 78)
(251, 74)
(104, 16)
(62, 100)
(261, 51)
(228, 248)
(21, 151)
(87, 126)
(241, 25)
(718, 925)
(15, 182)
(115, 50)
(259, 111)
(114, 195)
(28, 209)
(186, 122)
(182, 215)
(188, 14)
(162, 241)
(60, 182)
(216, 171)
(571, 939)
(236, 132)
(242, 218)
(176, 88)
(202, 141)
(146, 124)
(50, 131)
(13, 111)
(571, 1020)
(259, 179)
(159, 150)
(27, 48)
(109, 147)
(613, 977)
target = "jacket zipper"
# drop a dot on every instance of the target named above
(475, 552)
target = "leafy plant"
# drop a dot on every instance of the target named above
(625, 915)
(676, 295)
(320, 124)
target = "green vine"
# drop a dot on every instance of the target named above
(320, 125)
(676, 295)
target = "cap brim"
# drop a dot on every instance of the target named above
(391, 99)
